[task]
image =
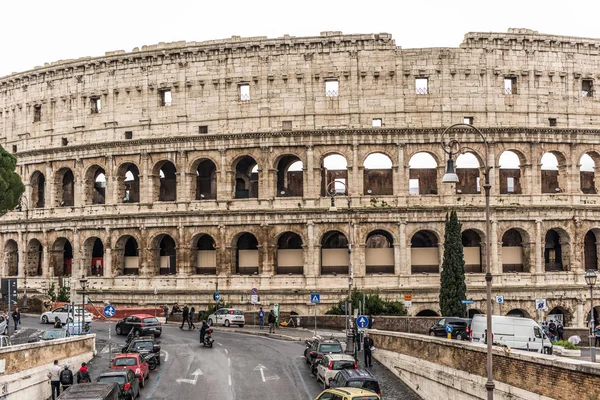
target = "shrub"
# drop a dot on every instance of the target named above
(374, 305)
(566, 344)
(63, 294)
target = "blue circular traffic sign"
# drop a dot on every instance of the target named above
(448, 328)
(109, 311)
(362, 322)
(254, 291)
(216, 296)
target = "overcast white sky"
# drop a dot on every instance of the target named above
(37, 31)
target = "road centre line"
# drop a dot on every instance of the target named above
(302, 379)
(229, 379)
(226, 352)
(228, 362)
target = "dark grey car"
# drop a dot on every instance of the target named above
(129, 383)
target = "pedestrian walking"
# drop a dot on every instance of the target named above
(66, 377)
(83, 376)
(54, 376)
(184, 315)
(261, 318)
(16, 316)
(191, 318)
(57, 323)
(368, 347)
(166, 313)
(560, 330)
(271, 320)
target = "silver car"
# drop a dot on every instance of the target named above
(227, 317)
(331, 364)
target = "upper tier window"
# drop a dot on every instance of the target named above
(165, 98)
(422, 85)
(96, 105)
(332, 88)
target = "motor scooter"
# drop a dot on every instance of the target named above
(208, 340)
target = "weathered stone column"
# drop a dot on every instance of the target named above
(79, 199)
(182, 255)
(359, 260)
(404, 249)
(397, 259)
(539, 265)
(580, 315)
(145, 181)
(311, 268)
(22, 261)
(496, 266)
(183, 190)
(309, 174)
(77, 262)
(46, 254)
(399, 178)
(50, 189)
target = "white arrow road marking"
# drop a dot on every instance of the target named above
(196, 374)
(166, 355)
(262, 369)
(105, 349)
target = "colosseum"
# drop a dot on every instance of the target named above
(180, 166)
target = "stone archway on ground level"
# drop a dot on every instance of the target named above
(427, 313)
(474, 311)
(518, 312)
(558, 312)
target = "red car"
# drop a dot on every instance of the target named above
(133, 362)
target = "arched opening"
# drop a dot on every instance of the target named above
(424, 253)
(473, 312)
(167, 181)
(517, 312)
(247, 255)
(95, 183)
(35, 256)
(550, 174)
(246, 178)
(66, 193)
(167, 253)
(38, 190)
(422, 174)
(559, 314)
(290, 177)
(512, 252)
(335, 255)
(510, 173)
(379, 253)
(62, 257)
(129, 183)
(206, 180)
(587, 172)
(334, 168)
(128, 256)
(427, 313)
(553, 252)
(290, 255)
(590, 250)
(378, 177)
(467, 169)
(472, 250)
(205, 258)
(11, 258)
(93, 253)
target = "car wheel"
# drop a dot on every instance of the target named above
(209, 322)
(459, 336)
(118, 330)
(227, 323)
(432, 333)
(44, 319)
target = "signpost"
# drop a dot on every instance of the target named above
(500, 301)
(467, 302)
(253, 301)
(315, 298)
(540, 304)
(109, 312)
(449, 331)
(362, 322)
(9, 294)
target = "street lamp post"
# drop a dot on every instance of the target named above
(84, 284)
(590, 279)
(454, 147)
(24, 202)
(332, 190)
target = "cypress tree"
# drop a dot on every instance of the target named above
(453, 288)
(11, 187)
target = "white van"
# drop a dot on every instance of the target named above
(514, 332)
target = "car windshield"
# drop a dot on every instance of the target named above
(54, 334)
(331, 348)
(339, 365)
(150, 321)
(113, 378)
(125, 362)
(148, 344)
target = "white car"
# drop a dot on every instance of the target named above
(227, 317)
(331, 364)
(66, 314)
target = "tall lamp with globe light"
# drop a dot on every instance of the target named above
(590, 279)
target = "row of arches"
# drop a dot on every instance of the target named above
(247, 254)
(377, 177)
(515, 312)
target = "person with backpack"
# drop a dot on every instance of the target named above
(83, 376)
(184, 316)
(66, 377)
(272, 319)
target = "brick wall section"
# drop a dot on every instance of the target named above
(550, 376)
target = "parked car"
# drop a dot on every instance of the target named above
(359, 378)
(129, 383)
(317, 348)
(460, 328)
(95, 391)
(133, 362)
(140, 324)
(330, 364)
(56, 333)
(347, 393)
(514, 332)
(66, 314)
(227, 317)
(144, 345)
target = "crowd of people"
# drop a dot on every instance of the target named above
(554, 330)
(64, 377)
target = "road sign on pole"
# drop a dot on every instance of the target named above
(499, 299)
(467, 301)
(449, 331)
(216, 296)
(315, 298)
(362, 322)
(109, 311)
(540, 304)
(254, 291)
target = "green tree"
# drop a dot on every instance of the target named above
(63, 294)
(52, 292)
(374, 305)
(11, 187)
(453, 288)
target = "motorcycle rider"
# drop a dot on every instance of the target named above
(203, 330)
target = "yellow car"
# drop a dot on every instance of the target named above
(347, 393)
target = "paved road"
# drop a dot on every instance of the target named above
(239, 366)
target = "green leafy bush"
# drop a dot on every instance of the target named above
(52, 292)
(63, 294)
(374, 305)
(566, 344)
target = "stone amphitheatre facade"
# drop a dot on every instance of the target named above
(182, 165)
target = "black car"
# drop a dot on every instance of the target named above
(460, 328)
(359, 378)
(127, 380)
(315, 349)
(143, 345)
(94, 391)
(140, 325)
